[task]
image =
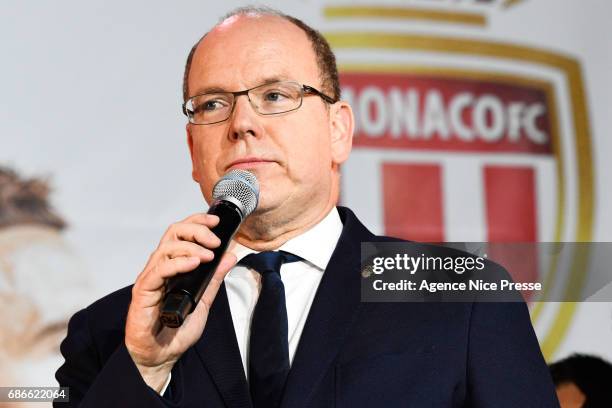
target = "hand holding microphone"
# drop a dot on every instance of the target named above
(171, 298)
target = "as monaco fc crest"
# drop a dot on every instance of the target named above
(462, 139)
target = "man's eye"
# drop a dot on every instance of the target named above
(274, 96)
(212, 105)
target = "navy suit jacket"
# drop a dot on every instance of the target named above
(351, 354)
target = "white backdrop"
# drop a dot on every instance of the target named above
(91, 94)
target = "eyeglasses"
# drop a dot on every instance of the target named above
(268, 99)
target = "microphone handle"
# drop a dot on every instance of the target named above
(183, 291)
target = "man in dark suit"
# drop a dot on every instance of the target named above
(262, 94)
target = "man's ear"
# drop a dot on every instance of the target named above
(342, 124)
(194, 175)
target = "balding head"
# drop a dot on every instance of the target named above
(325, 58)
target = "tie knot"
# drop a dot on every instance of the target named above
(268, 261)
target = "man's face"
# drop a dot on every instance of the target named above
(292, 154)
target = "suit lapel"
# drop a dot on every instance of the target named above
(218, 350)
(333, 309)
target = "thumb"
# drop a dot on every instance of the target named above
(225, 265)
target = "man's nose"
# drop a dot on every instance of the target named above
(244, 120)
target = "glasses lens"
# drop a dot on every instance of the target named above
(210, 108)
(277, 97)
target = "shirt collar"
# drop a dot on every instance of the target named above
(315, 246)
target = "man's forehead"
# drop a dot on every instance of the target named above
(254, 21)
(251, 30)
(256, 49)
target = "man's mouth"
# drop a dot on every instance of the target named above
(248, 163)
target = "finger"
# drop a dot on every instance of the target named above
(170, 250)
(197, 233)
(209, 220)
(194, 323)
(225, 265)
(175, 249)
(227, 262)
(154, 279)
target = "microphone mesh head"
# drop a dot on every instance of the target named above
(241, 186)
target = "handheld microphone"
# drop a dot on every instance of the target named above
(235, 195)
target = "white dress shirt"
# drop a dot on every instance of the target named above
(301, 280)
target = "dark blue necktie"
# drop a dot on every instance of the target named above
(268, 345)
